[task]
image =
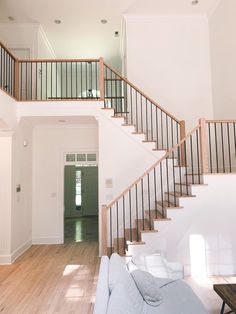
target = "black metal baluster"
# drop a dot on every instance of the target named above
(216, 148)
(234, 138)
(71, 81)
(131, 105)
(157, 131)
(162, 192)
(130, 217)
(124, 223)
(76, 79)
(117, 227)
(141, 104)
(191, 156)
(209, 136)
(149, 202)
(151, 106)
(162, 139)
(155, 189)
(41, 81)
(198, 157)
(222, 146)
(230, 165)
(136, 207)
(51, 80)
(147, 136)
(66, 80)
(111, 235)
(136, 108)
(81, 79)
(61, 80)
(143, 215)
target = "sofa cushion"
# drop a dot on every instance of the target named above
(119, 275)
(147, 286)
(121, 302)
(177, 298)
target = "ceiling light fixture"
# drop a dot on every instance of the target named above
(194, 2)
(104, 21)
(57, 21)
(11, 18)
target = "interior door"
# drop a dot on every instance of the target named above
(89, 191)
(70, 191)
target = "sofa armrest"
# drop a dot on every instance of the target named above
(102, 292)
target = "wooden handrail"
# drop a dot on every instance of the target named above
(143, 94)
(56, 60)
(153, 166)
(7, 50)
(220, 121)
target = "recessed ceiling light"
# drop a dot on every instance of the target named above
(194, 2)
(11, 18)
(104, 21)
(61, 121)
(57, 21)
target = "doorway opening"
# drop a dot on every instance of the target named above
(80, 202)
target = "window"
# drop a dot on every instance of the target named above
(81, 159)
(78, 195)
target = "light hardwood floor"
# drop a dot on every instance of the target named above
(51, 279)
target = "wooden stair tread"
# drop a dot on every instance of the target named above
(167, 204)
(178, 194)
(155, 215)
(189, 184)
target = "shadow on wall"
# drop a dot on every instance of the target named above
(3, 125)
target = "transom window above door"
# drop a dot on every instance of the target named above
(81, 159)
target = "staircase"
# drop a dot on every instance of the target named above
(162, 189)
(152, 198)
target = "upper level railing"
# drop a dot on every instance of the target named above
(89, 79)
(8, 65)
(59, 79)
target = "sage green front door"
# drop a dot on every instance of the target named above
(80, 191)
(89, 195)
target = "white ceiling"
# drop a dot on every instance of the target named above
(81, 34)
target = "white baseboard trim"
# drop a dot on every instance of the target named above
(5, 259)
(10, 258)
(47, 241)
(20, 250)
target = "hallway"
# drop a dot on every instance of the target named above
(54, 278)
(81, 229)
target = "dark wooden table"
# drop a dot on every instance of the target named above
(227, 292)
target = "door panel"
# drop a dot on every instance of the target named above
(89, 191)
(70, 192)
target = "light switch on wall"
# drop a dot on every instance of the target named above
(109, 183)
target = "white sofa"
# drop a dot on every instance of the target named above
(117, 293)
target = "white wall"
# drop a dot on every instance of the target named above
(49, 145)
(21, 214)
(7, 111)
(5, 196)
(26, 36)
(222, 24)
(202, 235)
(168, 57)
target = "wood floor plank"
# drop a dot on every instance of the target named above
(51, 279)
